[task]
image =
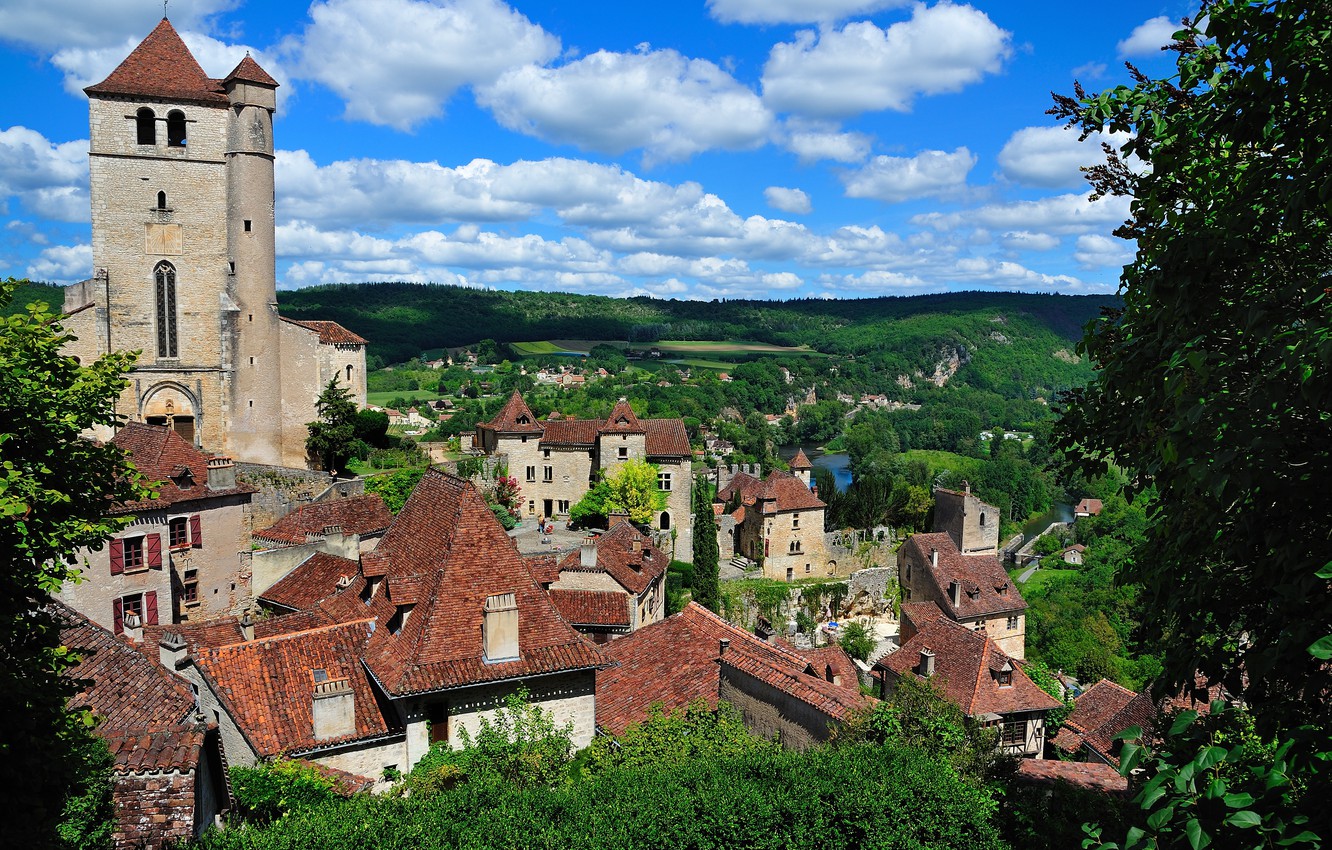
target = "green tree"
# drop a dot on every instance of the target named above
(634, 491)
(332, 434)
(707, 576)
(857, 641)
(675, 738)
(395, 487)
(593, 509)
(54, 489)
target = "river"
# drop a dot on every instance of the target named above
(838, 463)
(1059, 512)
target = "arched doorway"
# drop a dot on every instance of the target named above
(665, 523)
(173, 406)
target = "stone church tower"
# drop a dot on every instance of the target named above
(181, 167)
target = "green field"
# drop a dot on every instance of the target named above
(938, 460)
(533, 349)
(735, 347)
(1039, 579)
(382, 399)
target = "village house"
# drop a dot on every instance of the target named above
(973, 590)
(1106, 708)
(343, 528)
(777, 521)
(185, 555)
(973, 525)
(183, 254)
(557, 461)
(973, 672)
(168, 775)
(1088, 507)
(1073, 554)
(696, 655)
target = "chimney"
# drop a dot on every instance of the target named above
(955, 593)
(617, 518)
(927, 662)
(723, 645)
(133, 627)
(814, 488)
(221, 473)
(334, 709)
(247, 626)
(587, 556)
(966, 487)
(637, 545)
(934, 559)
(173, 651)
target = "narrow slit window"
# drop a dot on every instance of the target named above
(161, 200)
(248, 226)
(165, 280)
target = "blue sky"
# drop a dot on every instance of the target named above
(708, 149)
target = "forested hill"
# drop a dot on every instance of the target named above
(403, 319)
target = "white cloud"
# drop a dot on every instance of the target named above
(875, 283)
(50, 179)
(1050, 157)
(62, 264)
(1095, 251)
(1148, 37)
(814, 141)
(794, 201)
(861, 68)
(397, 62)
(1058, 215)
(1025, 240)
(53, 24)
(793, 11)
(659, 101)
(929, 174)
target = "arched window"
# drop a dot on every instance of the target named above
(164, 276)
(349, 373)
(665, 521)
(176, 128)
(982, 519)
(161, 200)
(145, 123)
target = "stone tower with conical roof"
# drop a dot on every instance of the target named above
(181, 170)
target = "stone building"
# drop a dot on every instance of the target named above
(973, 525)
(185, 555)
(777, 522)
(973, 672)
(556, 461)
(973, 590)
(181, 169)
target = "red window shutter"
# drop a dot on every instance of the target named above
(196, 532)
(117, 616)
(154, 551)
(117, 560)
(150, 608)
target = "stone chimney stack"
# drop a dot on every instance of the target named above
(133, 625)
(955, 593)
(247, 626)
(934, 559)
(587, 556)
(723, 645)
(927, 662)
(173, 651)
(334, 709)
(221, 473)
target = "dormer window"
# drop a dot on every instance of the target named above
(499, 628)
(371, 588)
(523, 420)
(1004, 675)
(182, 477)
(399, 618)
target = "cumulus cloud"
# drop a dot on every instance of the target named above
(1055, 215)
(794, 201)
(1050, 157)
(53, 24)
(929, 174)
(814, 141)
(1025, 240)
(51, 180)
(1148, 37)
(397, 62)
(659, 101)
(62, 264)
(860, 67)
(794, 11)
(1095, 251)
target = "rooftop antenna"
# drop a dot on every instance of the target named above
(164, 7)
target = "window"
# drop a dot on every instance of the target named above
(562, 506)
(1005, 678)
(664, 521)
(982, 519)
(371, 588)
(790, 573)
(176, 129)
(623, 452)
(349, 373)
(248, 225)
(141, 606)
(134, 553)
(545, 454)
(189, 588)
(1013, 622)
(794, 548)
(809, 568)
(132, 604)
(145, 126)
(548, 474)
(178, 532)
(165, 278)
(399, 618)
(531, 473)
(664, 481)
(795, 521)
(161, 200)
(1014, 732)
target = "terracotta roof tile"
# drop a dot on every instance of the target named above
(965, 666)
(986, 587)
(314, 579)
(742, 484)
(833, 700)
(545, 568)
(569, 432)
(163, 456)
(162, 67)
(1091, 710)
(592, 607)
(514, 418)
(666, 438)
(330, 333)
(1139, 711)
(249, 71)
(155, 749)
(800, 461)
(361, 515)
(622, 420)
(634, 571)
(1090, 775)
(782, 492)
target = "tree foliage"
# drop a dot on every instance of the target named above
(634, 491)
(673, 739)
(395, 487)
(707, 575)
(332, 434)
(857, 641)
(54, 488)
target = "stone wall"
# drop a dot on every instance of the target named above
(367, 759)
(268, 566)
(973, 525)
(569, 697)
(152, 809)
(772, 713)
(283, 489)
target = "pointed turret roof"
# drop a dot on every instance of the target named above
(515, 418)
(162, 67)
(800, 461)
(623, 420)
(248, 71)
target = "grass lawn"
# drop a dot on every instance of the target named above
(540, 347)
(1039, 579)
(703, 364)
(937, 460)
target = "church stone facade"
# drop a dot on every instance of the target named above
(181, 169)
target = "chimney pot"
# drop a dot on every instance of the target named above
(934, 558)
(172, 650)
(723, 645)
(133, 626)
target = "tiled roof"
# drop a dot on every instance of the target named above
(666, 438)
(330, 333)
(1091, 710)
(164, 456)
(361, 515)
(622, 420)
(634, 571)
(161, 67)
(1139, 711)
(506, 421)
(986, 587)
(1090, 775)
(268, 684)
(446, 539)
(592, 607)
(742, 484)
(545, 567)
(800, 461)
(966, 664)
(675, 661)
(570, 432)
(1089, 506)
(146, 710)
(249, 71)
(782, 492)
(830, 659)
(314, 579)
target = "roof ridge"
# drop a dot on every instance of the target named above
(288, 635)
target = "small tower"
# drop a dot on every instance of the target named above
(801, 467)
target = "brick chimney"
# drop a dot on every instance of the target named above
(334, 709)
(221, 473)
